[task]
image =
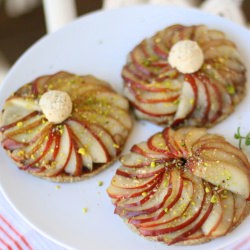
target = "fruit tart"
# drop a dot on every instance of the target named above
(185, 75)
(182, 186)
(64, 127)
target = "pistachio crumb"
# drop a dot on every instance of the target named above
(82, 151)
(84, 210)
(19, 124)
(152, 164)
(100, 183)
(213, 199)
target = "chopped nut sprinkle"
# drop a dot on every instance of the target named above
(100, 183)
(84, 210)
(81, 151)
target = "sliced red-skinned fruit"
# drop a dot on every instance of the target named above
(186, 33)
(63, 155)
(28, 132)
(124, 182)
(89, 141)
(39, 85)
(30, 149)
(160, 120)
(179, 138)
(74, 164)
(218, 99)
(240, 206)
(190, 214)
(165, 37)
(112, 125)
(158, 47)
(146, 47)
(203, 104)
(227, 204)
(205, 139)
(198, 235)
(113, 99)
(155, 202)
(167, 115)
(140, 61)
(215, 34)
(210, 142)
(172, 210)
(143, 149)
(11, 144)
(43, 149)
(175, 187)
(152, 109)
(192, 137)
(26, 119)
(192, 228)
(139, 82)
(132, 76)
(158, 144)
(17, 108)
(141, 199)
(215, 216)
(168, 135)
(103, 96)
(222, 155)
(88, 92)
(200, 34)
(223, 174)
(122, 190)
(217, 42)
(223, 51)
(188, 100)
(144, 96)
(183, 222)
(145, 172)
(109, 110)
(135, 160)
(107, 139)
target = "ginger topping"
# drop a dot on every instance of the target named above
(56, 106)
(186, 56)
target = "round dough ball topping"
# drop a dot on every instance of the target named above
(186, 56)
(56, 105)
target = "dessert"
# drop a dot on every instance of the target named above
(64, 127)
(184, 75)
(182, 186)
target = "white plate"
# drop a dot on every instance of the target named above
(98, 44)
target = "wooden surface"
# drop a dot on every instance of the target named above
(18, 34)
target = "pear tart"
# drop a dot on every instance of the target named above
(64, 127)
(182, 186)
(184, 75)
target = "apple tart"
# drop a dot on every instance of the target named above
(184, 75)
(182, 186)
(64, 127)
